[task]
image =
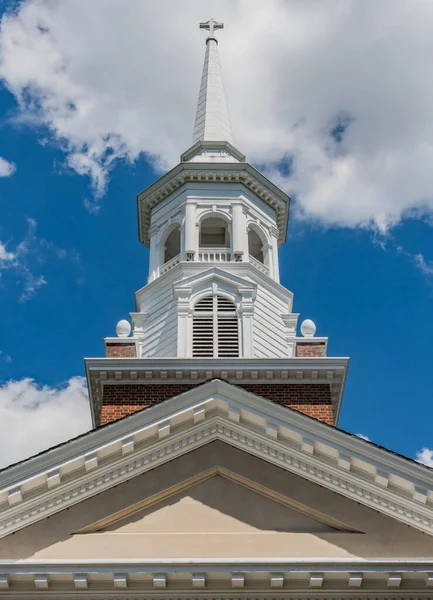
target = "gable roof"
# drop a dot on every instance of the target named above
(102, 458)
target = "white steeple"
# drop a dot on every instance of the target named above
(212, 123)
(213, 225)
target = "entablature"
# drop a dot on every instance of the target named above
(225, 579)
(216, 172)
(300, 371)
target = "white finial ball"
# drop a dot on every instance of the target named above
(123, 328)
(308, 328)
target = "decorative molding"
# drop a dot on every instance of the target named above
(233, 433)
(241, 173)
(257, 579)
(259, 427)
(314, 370)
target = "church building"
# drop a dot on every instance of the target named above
(215, 469)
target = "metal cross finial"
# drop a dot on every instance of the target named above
(211, 26)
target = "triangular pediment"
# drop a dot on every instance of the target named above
(217, 500)
(214, 276)
(216, 411)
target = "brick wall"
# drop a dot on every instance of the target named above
(311, 399)
(308, 349)
(121, 350)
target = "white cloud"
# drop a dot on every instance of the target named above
(6, 168)
(362, 436)
(113, 79)
(425, 266)
(34, 417)
(5, 256)
(28, 256)
(425, 456)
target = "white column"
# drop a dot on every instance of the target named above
(183, 324)
(238, 230)
(247, 315)
(154, 253)
(190, 231)
(275, 273)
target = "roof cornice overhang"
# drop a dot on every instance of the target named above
(297, 370)
(238, 173)
(260, 579)
(216, 411)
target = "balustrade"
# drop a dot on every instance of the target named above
(260, 266)
(169, 264)
(214, 255)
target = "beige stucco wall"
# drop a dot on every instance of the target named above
(217, 518)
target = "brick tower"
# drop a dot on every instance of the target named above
(213, 307)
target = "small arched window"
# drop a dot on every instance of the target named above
(172, 245)
(255, 246)
(215, 328)
(214, 233)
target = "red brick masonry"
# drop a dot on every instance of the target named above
(307, 349)
(310, 398)
(120, 350)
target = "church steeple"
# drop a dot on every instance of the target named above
(213, 306)
(212, 121)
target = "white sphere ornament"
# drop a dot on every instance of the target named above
(123, 328)
(308, 328)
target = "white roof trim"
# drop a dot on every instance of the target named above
(239, 173)
(259, 578)
(382, 481)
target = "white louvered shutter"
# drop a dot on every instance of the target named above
(215, 330)
(202, 328)
(227, 328)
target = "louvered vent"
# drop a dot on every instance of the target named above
(215, 330)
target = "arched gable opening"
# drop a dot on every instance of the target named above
(214, 233)
(172, 244)
(215, 328)
(255, 246)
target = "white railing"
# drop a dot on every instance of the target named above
(169, 264)
(214, 255)
(260, 266)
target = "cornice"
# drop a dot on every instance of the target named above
(331, 371)
(218, 411)
(195, 578)
(183, 173)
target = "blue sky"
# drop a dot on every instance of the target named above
(367, 286)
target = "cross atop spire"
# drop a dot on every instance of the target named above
(211, 26)
(212, 120)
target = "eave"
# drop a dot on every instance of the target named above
(238, 173)
(216, 411)
(106, 371)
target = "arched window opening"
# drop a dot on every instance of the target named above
(214, 233)
(215, 329)
(172, 245)
(255, 246)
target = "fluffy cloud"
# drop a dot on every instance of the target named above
(6, 168)
(425, 456)
(334, 100)
(36, 417)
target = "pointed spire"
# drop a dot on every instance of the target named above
(212, 121)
